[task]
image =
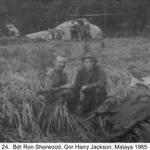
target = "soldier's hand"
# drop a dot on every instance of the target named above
(67, 86)
(84, 87)
(81, 96)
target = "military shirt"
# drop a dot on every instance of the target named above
(96, 77)
(56, 78)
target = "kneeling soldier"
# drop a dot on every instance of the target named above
(90, 85)
(57, 81)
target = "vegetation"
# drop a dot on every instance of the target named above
(25, 115)
(35, 15)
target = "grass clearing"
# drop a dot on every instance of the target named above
(22, 71)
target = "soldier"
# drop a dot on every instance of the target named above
(89, 86)
(57, 81)
(75, 31)
(12, 30)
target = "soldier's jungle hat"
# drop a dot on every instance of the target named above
(89, 56)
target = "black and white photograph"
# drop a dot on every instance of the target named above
(75, 71)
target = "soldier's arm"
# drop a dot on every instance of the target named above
(50, 82)
(56, 89)
(64, 86)
(101, 83)
(77, 81)
(52, 88)
(93, 85)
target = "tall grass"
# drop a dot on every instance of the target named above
(24, 114)
(26, 117)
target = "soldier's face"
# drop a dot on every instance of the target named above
(88, 63)
(60, 64)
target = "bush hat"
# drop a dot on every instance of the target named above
(89, 56)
